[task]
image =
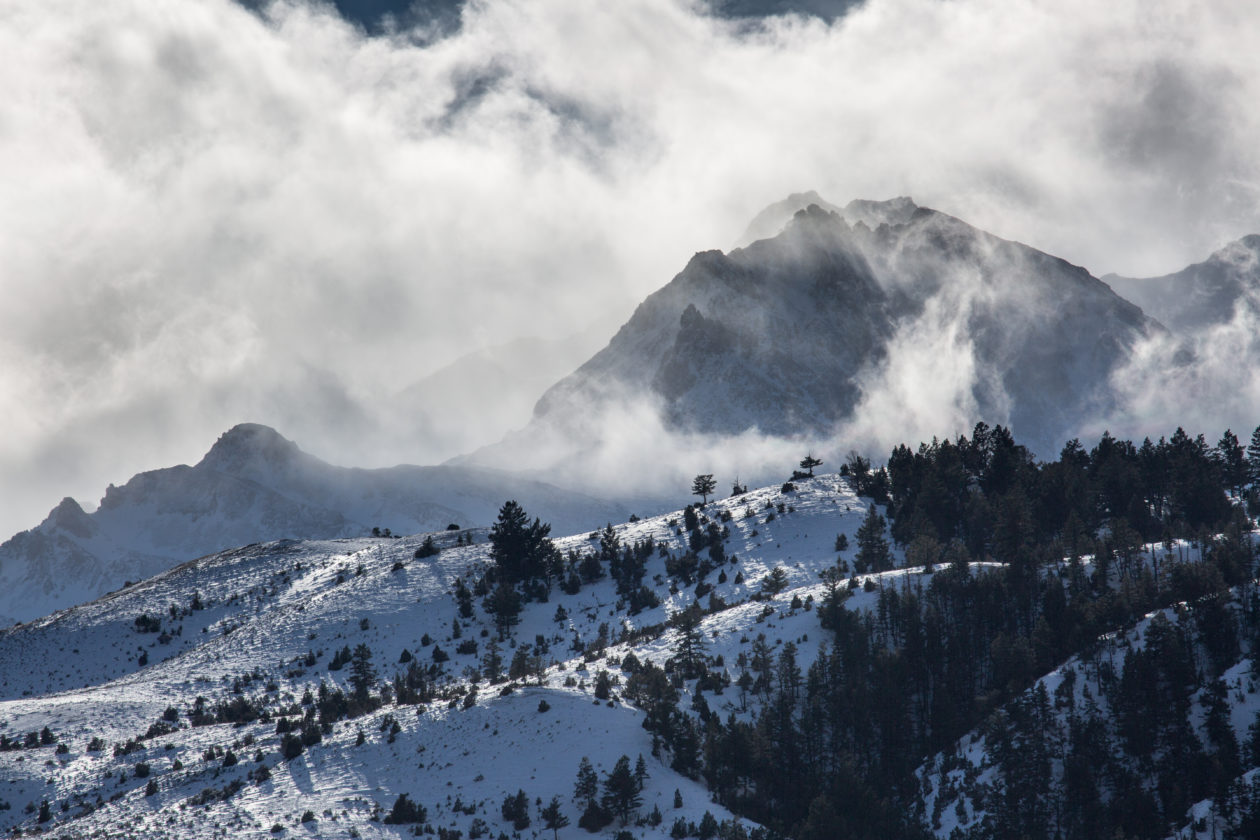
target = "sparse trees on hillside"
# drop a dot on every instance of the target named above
(515, 809)
(809, 462)
(406, 812)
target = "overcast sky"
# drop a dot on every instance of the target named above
(210, 216)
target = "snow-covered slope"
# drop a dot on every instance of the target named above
(1088, 736)
(262, 624)
(252, 485)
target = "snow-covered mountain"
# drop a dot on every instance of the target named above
(807, 329)
(1202, 295)
(213, 696)
(252, 485)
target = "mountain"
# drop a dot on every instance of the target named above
(1202, 295)
(771, 221)
(753, 680)
(252, 485)
(866, 315)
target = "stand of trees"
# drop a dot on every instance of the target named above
(830, 748)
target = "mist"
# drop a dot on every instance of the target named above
(214, 216)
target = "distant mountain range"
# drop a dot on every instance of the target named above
(253, 485)
(827, 314)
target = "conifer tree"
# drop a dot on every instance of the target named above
(492, 662)
(689, 649)
(515, 809)
(872, 553)
(703, 485)
(406, 812)
(520, 550)
(586, 788)
(1253, 457)
(505, 603)
(362, 673)
(809, 462)
(621, 791)
(553, 817)
(1232, 459)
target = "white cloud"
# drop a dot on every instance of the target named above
(210, 218)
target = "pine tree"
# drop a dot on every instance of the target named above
(516, 810)
(603, 685)
(406, 812)
(621, 791)
(1253, 457)
(505, 603)
(775, 581)
(703, 485)
(872, 553)
(1233, 461)
(809, 462)
(520, 550)
(587, 786)
(553, 817)
(492, 663)
(522, 664)
(689, 649)
(362, 674)
(464, 598)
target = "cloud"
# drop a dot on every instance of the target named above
(211, 216)
(1205, 383)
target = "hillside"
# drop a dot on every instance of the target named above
(266, 622)
(774, 661)
(252, 485)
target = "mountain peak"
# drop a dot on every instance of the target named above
(1241, 254)
(770, 221)
(70, 516)
(249, 443)
(894, 211)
